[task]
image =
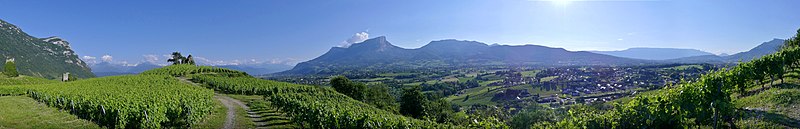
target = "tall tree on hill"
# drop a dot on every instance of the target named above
(177, 58)
(412, 102)
(189, 60)
(10, 69)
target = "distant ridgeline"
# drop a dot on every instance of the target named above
(43, 57)
(379, 54)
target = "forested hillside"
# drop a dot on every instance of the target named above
(42, 57)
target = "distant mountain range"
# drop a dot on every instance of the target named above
(108, 69)
(259, 69)
(655, 53)
(378, 54)
(111, 69)
(42, 57)
(760, 50)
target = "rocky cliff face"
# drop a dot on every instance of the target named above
(43, 57)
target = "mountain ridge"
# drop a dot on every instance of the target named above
(649, 53)
(762, 49)
(379, 54)
(48, 57)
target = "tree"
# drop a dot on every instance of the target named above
(378, 95)
(10, 69)
(530, 116)
(440, 111)
(343, 85)
(412, 102)
(177, 58)
(189, 60)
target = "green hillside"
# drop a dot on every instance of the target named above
(135, 101)
(41, 57)
(159, 99)
(308, 106)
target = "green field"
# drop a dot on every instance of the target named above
(531, 73)
(19, 112)
(547, 79)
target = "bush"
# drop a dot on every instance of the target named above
(10, 69)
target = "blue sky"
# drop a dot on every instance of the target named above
(288, 31)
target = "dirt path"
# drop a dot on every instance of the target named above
(231, 112)
(230, 104)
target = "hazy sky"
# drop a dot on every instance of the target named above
(282, 31)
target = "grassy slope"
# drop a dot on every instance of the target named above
(23, 80)
(270, 117)
(778, 106)
(21, 112)
(215, 120)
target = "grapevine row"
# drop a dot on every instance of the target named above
(134, 101)
(315, 107)
(184, 69)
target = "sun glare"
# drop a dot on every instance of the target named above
(561, 2)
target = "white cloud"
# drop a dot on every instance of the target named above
(107, 58)
(286, 61)
(156, 59)
(620, 39)
(89, 59)
(152, 59)
(357, 38)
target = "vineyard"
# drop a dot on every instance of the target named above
(24, 80)
(183, 70)
(315, 107)
(126, 101)
(705, 102)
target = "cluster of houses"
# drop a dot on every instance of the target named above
(578, 83)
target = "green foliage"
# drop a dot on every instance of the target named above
(315, 107)
(378, 95)
(22, 112)
(24, 80)
(17, 89)
(10, 69)
(412, 102)
(128, 101)
(440, 111)
(353, 89)
(375, 94)
(532, 115)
